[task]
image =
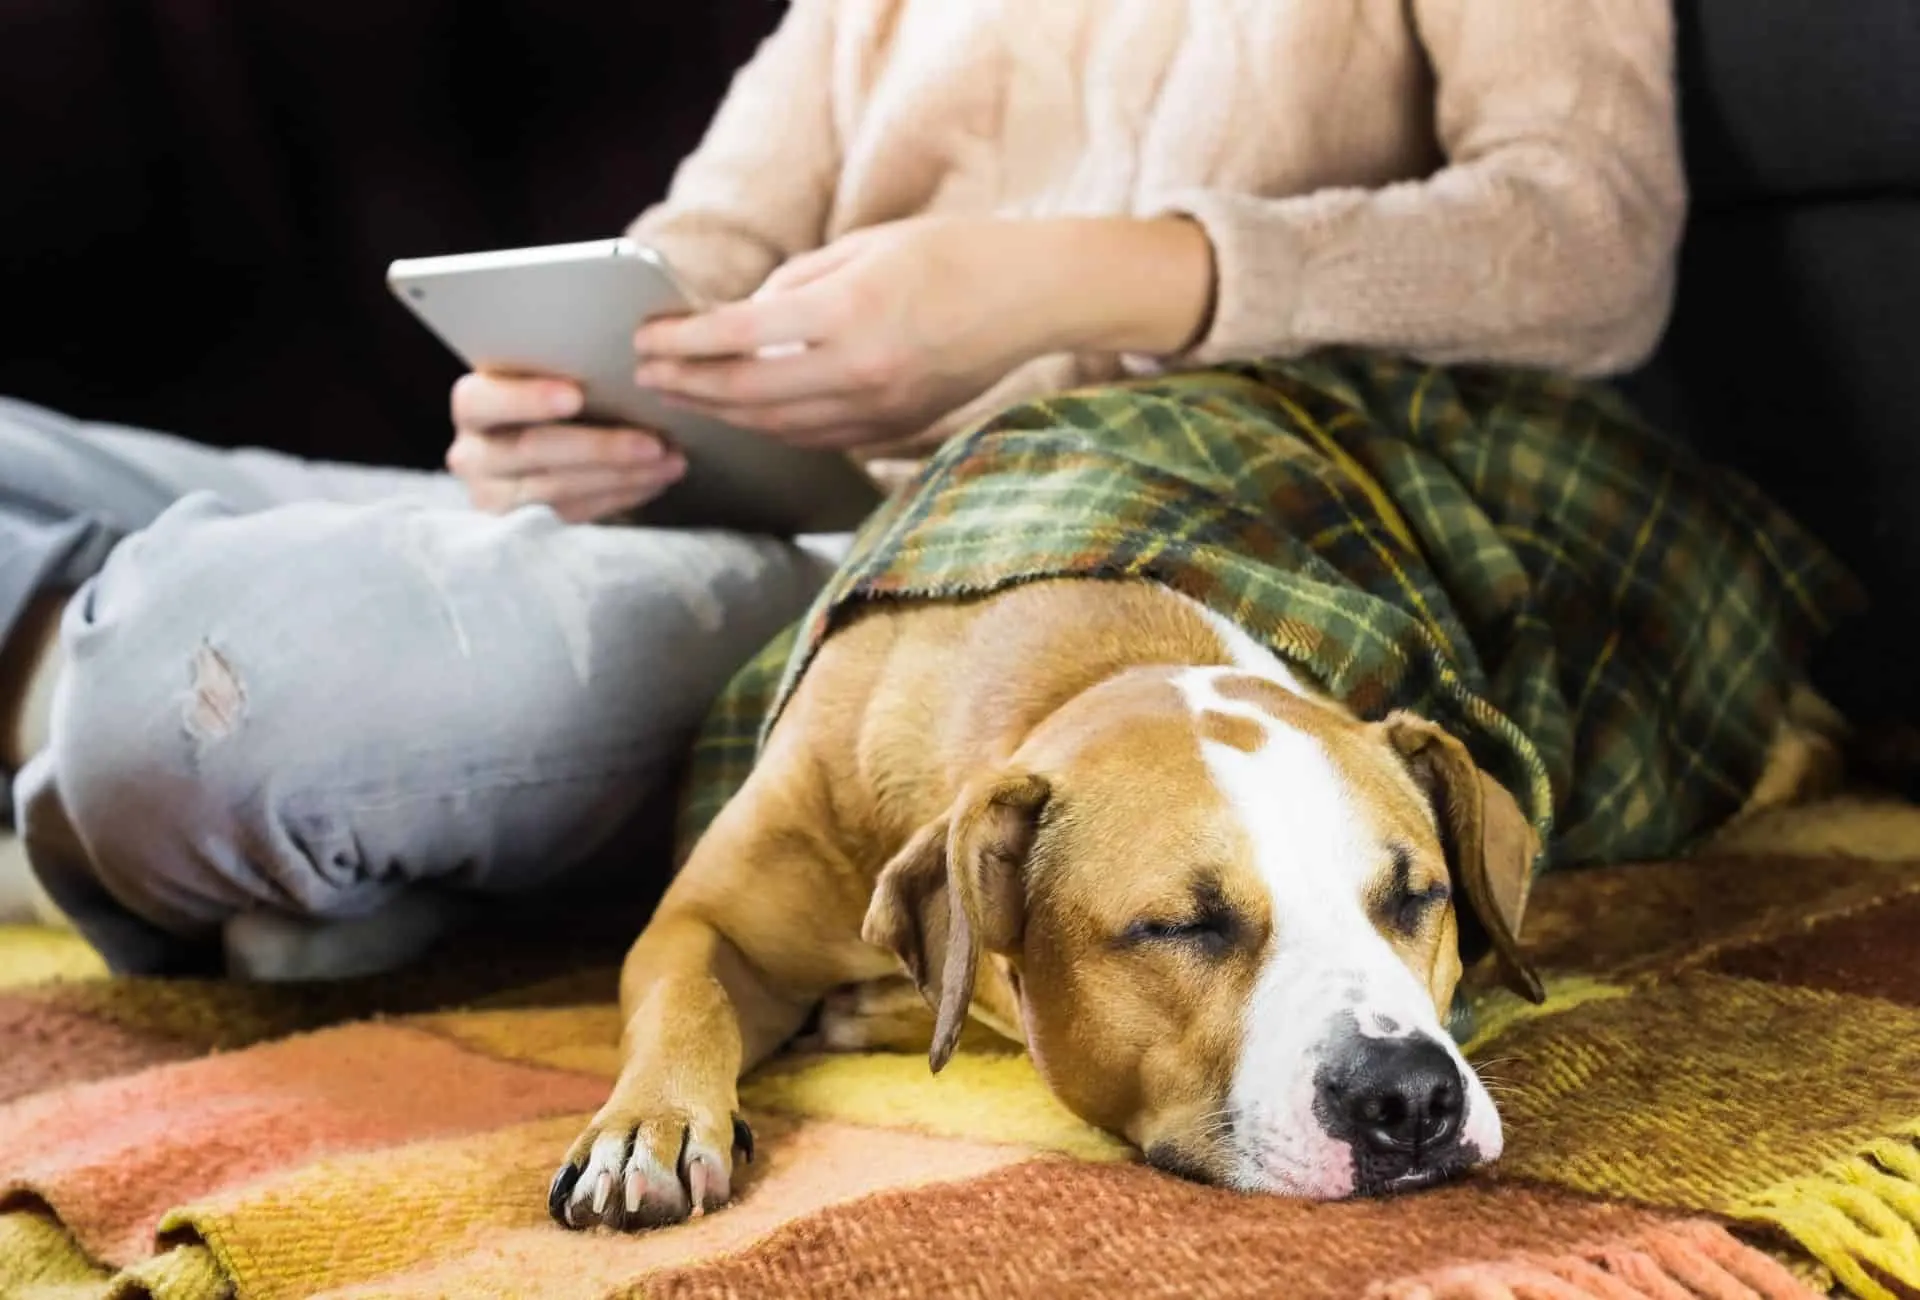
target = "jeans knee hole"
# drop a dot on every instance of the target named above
(217, 701)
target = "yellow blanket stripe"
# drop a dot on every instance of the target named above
(983, 1097)
(40, 1258)
(183, 1273)
(1496, 1010)
(1860, 1216)
(31, 954)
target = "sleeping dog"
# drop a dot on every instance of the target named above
(1220, 911)
(1031, 764)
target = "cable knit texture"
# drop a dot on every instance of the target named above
(1460, 180)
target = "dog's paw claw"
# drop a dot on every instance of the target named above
(560, 1191)
(630, 1171)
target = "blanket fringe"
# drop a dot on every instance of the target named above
(1690, 1261)
(187, 1272)
(1860, 1216)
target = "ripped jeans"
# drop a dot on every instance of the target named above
(307, 688)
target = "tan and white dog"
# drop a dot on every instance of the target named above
(1222, 913)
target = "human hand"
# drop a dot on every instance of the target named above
(886, 330)
(511, 449)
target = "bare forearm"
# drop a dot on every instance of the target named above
(904, 323)
(1120, 284)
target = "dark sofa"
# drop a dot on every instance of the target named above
(1794, 353)
(197, 201)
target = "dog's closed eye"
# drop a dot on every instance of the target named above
(1211, 927)
(1402, 905)
(1197, 930)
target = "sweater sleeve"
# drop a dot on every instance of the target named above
(756, 190)
(1547, 239)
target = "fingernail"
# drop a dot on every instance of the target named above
(641, 447)
(562, 400)
(649, 375)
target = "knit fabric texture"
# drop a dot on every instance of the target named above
(1490, 181)
(1720, 1098)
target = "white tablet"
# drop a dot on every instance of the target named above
(571, 310)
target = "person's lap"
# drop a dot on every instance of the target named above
(311, 690)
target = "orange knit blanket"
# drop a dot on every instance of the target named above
(1721, 1098)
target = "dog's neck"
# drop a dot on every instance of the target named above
(1019, 674)
(1029, 657)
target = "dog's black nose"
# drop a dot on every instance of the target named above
(1396, 1096)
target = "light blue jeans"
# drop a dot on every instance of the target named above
(308, 690)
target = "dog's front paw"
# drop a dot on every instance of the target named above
(645, 1167)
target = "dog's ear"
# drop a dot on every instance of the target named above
(1490, 845)
(956, 890)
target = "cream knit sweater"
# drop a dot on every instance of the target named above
(1460, 180)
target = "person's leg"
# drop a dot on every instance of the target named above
(57, 465)
(29, 667)
(312, 709)
(70, 491)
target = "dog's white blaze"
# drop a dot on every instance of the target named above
(1248, 655)
(1315, 853)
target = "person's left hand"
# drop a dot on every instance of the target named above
(875, 335)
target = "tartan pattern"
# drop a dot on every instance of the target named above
(1609, 623)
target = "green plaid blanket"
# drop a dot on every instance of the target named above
(1610, 624)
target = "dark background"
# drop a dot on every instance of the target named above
(198, 199)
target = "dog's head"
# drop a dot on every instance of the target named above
(1228, 915)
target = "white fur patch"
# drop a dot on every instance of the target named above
(1315, 850)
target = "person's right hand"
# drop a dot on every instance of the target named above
(511, 450)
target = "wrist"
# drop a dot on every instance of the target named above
(1125, 284)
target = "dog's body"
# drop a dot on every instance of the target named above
(1216, 907)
